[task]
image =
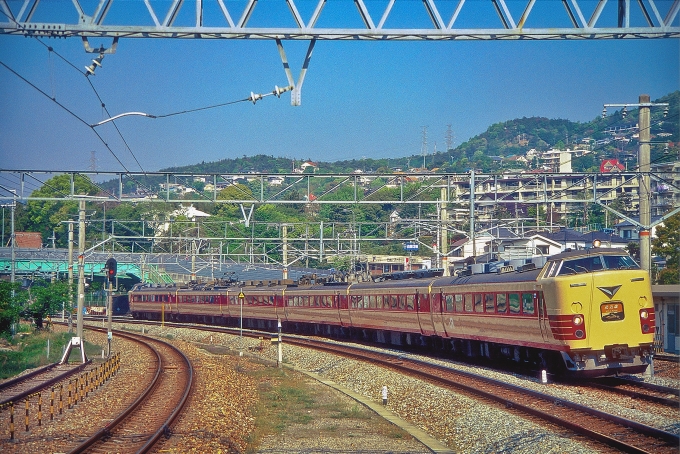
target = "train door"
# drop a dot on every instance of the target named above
(543, 321)
(672, 328)
(423, 309)
(438, 300)
(342, 302)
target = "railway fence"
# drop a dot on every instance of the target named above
(76, 391)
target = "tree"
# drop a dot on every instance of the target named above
(667, 244)
(44, 216)
(9, 305)
(45, 299)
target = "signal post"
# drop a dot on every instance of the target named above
(111, 269)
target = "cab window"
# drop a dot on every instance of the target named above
(581, 265)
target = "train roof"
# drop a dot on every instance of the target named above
(586, 252)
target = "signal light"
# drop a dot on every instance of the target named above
(111, 268)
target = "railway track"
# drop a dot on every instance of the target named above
(619, 433)
(661, 395)
(151, 415)
(23, 386)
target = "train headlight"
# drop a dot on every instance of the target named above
(577, 320)
(644, 315)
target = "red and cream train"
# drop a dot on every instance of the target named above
(586, 312)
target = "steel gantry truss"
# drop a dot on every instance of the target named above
(386, 20)
(351, 20)
(450, 203)
(481, 190)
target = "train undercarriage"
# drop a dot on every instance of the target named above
(613, 360)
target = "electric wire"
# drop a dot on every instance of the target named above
(120, 134)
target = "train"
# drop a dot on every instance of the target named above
(582, 313)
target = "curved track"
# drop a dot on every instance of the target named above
(619, 433)
(150, 416)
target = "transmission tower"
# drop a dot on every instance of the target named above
(449, 137)
(93, 161)
(424, 146)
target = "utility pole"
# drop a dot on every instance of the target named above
(70, 274)
(81, 270)
(472, 215)
(644, 168)
(285, 250)
(78, 341)
(12, 240)
(444, 237)
(645, 192)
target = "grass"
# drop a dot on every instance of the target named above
(28, 350)
(286, 400)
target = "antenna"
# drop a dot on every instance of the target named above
(93, 161)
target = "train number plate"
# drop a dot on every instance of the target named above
(611, 310)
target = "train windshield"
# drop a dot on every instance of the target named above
(596, 263)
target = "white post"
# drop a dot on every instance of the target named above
(279, 362)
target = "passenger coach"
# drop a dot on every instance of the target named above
(586, 312)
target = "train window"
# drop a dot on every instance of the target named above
(479, 306)
(458, 299)
(366, 302)
(449, 303)
(528, 303)
(410, 305)
(581, 265)
(402, 302)
(513, 302)
(468, 302)
(617, 262)
(489, 303)
(394, 302)
(501, 303)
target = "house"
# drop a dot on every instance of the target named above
(28, 240)
(611, 165)
(190, 213)
(309, 164)
(631, 232)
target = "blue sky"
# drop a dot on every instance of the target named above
(359, 99)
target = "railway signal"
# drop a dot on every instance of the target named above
(111, 269)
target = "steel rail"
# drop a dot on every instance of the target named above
(42, 385)
(106, 431)
(413, 367)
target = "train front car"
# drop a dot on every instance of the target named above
(600, 311)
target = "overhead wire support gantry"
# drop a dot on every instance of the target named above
(431, 20)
